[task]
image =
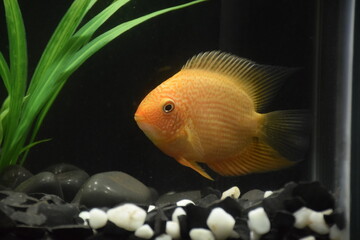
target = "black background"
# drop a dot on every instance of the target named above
(91, 122)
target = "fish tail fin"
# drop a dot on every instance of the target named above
(287, 132)
(281, 142)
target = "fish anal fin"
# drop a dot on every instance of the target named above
(196, 167)
(257, 157)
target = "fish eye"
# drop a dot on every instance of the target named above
(168, 106)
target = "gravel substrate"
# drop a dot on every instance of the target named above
(297, 211)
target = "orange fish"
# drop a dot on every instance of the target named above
(209, 113)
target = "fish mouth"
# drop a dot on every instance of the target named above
(139, 118)
(150, 130)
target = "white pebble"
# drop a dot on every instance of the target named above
(97, 218)
(335, 233)
(267, 194)
(178, 212)
(85, 215)
(184, 202)
(308, 238)
(145, 231)
(233, 192)
(317, 223)
(127, 216)
(173, 229)
(259, 221)
(201, 234)
(163, 237)
(150, 208)
(302, 217)
(220, 223)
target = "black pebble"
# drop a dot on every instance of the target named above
(71, 182)
(242, 229)
(30, 219)
(44, 182)
(13, 175)
(315, 196)
(283, 219)
(109, 189)
(196, 216)
(71, 232)
(61, 168)
(58, 214)
(253, 195)
(5, 221)
(294, 204)
(172, 198)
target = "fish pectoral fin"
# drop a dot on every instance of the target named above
(257, 157)
(194, 166)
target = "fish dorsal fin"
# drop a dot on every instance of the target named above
(259, 81)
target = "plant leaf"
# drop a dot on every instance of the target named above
(66, 28)
(5, 72)
(34, 144)
(100, 41)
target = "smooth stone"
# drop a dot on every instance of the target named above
(71, 182)
(209, 190)
(172, 198)
(44, 182)
(13, 175)
(201, 234)
(208, 200)
(220, 223)
(259, 221)
(127, 216)
(109, 189)
(61, 168)
(97, 218)
(145, 232)
(253, 195)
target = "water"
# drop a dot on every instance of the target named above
(91, 123)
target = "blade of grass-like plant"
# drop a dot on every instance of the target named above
(99, 42)
(59, 71)
(66, 28)
(81, 37)
(18, 74)
(4, 72)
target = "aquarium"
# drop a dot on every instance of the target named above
(87, 138)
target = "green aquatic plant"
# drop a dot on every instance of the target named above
(71, 44)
